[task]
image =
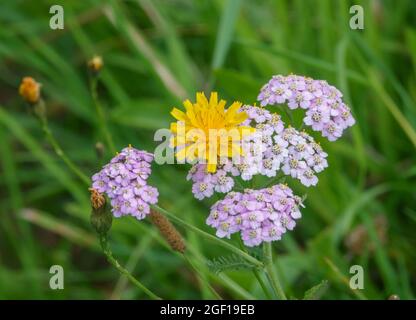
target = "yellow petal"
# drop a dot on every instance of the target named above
(238, 118)
(188, 105)
(192, 118)
(201, 99)
(221, 106)
(246, 130)
(178, 114)
(213, 99)
(233, 108)
(181, 154)
(173, 127)
(211, 168)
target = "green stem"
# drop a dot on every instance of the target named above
(197, 272)
(257, 273)
(101, 116)
(262, 283)
(208, 236)
(271, 272)
(123, 271)
(55, 145)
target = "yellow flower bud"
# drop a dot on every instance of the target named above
(95, 64)
(29, 89)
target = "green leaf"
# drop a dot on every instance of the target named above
(225, 32)
(232, 262)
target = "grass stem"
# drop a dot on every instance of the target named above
(101, 116)
(57, 148)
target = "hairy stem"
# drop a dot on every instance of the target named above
(101, 116)
(122, 270)
(208, 236)
(271, 272)
(257, 274)
(262, 284)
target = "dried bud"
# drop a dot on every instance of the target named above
(168, 231)
(97, 199)
(95, 64)
(29, 89)
(101, 217)
(394, 297)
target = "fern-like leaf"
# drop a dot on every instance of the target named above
(232, 262)
(256, 252)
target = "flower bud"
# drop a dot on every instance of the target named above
(101, 217)
(95, 64)
(29, 89)
(394, 297)
(97, 199)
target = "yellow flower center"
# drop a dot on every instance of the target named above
(207, 130)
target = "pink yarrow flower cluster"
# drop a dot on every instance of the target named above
(325, 110)
(124, 181)
(264, 215)
(271, 149)
(293, 152)
(259, 215)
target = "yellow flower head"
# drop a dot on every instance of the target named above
(207, 130)
(95, 64)
(29, 89)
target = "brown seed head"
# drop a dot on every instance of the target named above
(168, 231)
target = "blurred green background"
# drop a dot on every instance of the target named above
(159, 52)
